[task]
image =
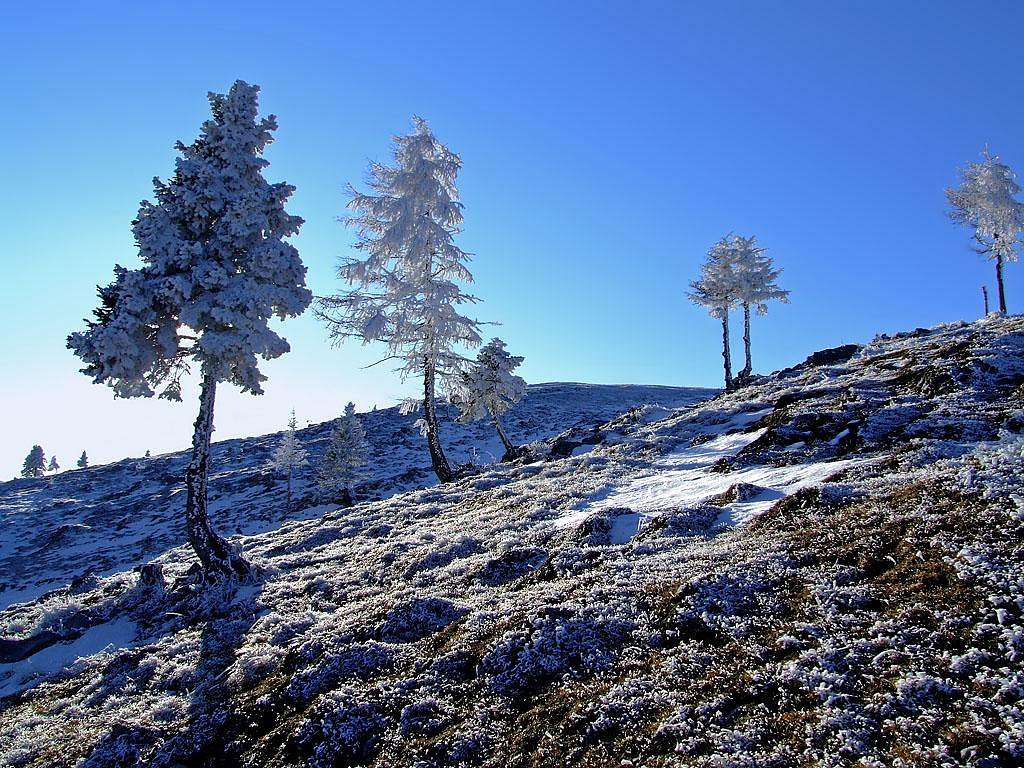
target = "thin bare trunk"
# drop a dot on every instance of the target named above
(501, 432)
(289, 507)
(999, 283)
(217, 556)
(726, 355)
(442, 468)
(747, 366)
(984, 295)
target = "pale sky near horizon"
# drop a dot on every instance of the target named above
(605, 146)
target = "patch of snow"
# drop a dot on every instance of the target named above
(675, 470)
(684, 479)
(838, 438)
(112, 635)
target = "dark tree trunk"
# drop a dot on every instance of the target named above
(217, 555)
(999, 283)
(747, 365)
(984, 295)
(442, 468)
(501, 433)
(726, 355)
(346, 497)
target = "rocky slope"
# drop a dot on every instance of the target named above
(824, 568)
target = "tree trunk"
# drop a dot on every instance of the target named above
(288, 507)
(999, 282)
(217, 555)
(346, 497)
(726, 356)
(442, 468)
(747, 366)
(984, 294)
(501, 433)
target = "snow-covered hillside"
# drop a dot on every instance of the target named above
(111, 517)
(823, 568)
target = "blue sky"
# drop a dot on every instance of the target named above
(606, 146)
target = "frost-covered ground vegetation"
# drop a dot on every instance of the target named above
(822, 568)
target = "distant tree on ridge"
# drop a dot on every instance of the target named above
(343, 461)
(289, 457)
(986, 201)
(716, 292)
(35, 463)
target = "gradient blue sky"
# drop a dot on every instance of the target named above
(605, 147)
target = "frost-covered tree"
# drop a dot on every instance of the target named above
(343, 461)
(54, 465)
(716, 292)
(83, 461)
(35, 463)
(986, 201)
(405, 290)
(216, 268)
(289, 456)
(755, 286)
(488, 387)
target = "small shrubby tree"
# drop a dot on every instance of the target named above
(986, 201)
(755, 276)
(405, 290)
(343, 461)
(35, 463)
(716, 292)
(54, 465)
(289, 456)
(216, 268)
(488, 387)
(83, 461)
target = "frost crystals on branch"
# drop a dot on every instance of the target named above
(289, 457)
(488, 388)
(986, 201)
(343, 461)
(216, 268)
(405, 288)
(716, 291)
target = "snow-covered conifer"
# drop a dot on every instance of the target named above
(289, 456)
(986, 201)
(716, 292)
(488, 387)
(54, 465)
(216, 268)
(755, 286)
(35, 463)
(83, 461)
(406, 291)
(343, 461)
